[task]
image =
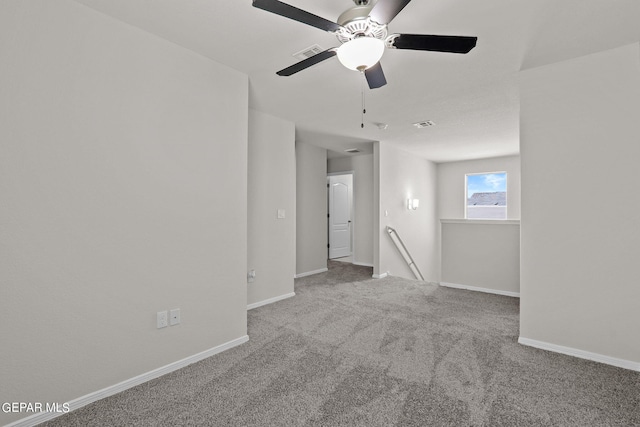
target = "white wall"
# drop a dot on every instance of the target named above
(123, 187)
(482, 254)
(580, 149)
(311, 208)
(402, 175)
(451, 184)
(478, 253)
(271, 186)
(362, 166)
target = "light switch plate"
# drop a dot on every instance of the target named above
(174, 316)
(161, 319)
(280, 213)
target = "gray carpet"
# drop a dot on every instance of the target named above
(352, 351)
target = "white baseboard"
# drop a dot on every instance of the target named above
(310, 273)
(608, 360)
(362, 264)
(41, 417)
(478, 289)
(270, 300)
(380, 276)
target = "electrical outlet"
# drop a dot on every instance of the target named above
(174, 316)
(251, 276)
(162, 319)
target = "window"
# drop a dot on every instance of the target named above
(486, 195)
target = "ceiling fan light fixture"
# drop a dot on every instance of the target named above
(361, 53)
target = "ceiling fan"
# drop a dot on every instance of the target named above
(362, 32)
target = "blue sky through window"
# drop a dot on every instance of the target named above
(486, 183)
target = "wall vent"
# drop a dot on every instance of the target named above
(352, 150)
(424, 124)
(308, 52)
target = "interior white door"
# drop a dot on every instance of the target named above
(340, 191)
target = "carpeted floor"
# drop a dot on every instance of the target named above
(352, 351)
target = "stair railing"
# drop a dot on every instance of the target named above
(405, 253)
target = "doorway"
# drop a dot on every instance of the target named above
(340, 215)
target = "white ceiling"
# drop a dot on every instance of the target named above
(473, 98)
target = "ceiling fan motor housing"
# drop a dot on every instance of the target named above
(355, 22)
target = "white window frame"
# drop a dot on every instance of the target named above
(506, 189)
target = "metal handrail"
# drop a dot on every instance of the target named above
(411, 264)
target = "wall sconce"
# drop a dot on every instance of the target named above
(412, 204)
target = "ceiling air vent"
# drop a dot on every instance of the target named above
(424, 124)
(352, 150)
(308, 52)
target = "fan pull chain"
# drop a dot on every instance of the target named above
(364, 109)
